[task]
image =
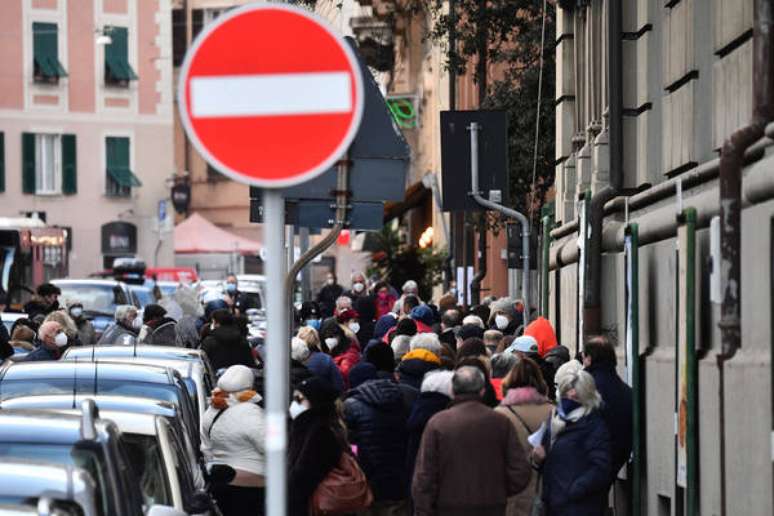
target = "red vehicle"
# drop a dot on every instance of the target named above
(176, 274)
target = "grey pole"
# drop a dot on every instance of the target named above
(508, 212)
(306, 272)
(277, 352)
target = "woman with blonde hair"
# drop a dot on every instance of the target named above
(575, 453)
(526, 406)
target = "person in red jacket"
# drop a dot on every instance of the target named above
(343, 348)
(542, 331)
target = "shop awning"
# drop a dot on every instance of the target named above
(198, 235)
(124, 177)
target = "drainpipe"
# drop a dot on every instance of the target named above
(483, 36)
(592, 299)
(453, 219)
(731, 163)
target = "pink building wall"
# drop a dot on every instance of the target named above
(82, 90)
(148, 31)
(11, 55)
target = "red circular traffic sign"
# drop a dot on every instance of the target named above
(270, 95)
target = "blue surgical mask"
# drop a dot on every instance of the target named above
(313, 323)
(231, 288)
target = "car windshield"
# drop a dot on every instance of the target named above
(90, 460)
(144, 453)
(14, 388)
(144, 296)
(95, 298)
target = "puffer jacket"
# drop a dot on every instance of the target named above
(225, 346)
(117, 333)
(347, 360)
(376, 423)
(415, 364)
(576, 472)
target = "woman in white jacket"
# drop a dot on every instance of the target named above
(233, 434)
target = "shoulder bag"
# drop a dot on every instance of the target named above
(343, 491)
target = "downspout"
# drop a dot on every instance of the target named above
(483, 36)
(592, 299)
(454, 229)
(730, 185)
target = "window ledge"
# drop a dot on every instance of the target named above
(48, 194)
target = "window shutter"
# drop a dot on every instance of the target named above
(28, 163)
(69, 165)
(2, 162)
(122, 152)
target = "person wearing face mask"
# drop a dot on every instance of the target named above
(503, 317)
(359, 286)
(575, 454)
(125, 329)
(328, 295)
(233, 434)
(384, 301)
(50, 343)
(232, 296)
(316, 441)
(310, 314)
(342, 347)
(86, 333)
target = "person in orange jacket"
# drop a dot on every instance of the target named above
(542, 331)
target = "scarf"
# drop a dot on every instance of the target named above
(560, 418)
(222, 399)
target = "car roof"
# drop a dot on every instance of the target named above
(118, 350)
(87, 281)
(133, 404)
(184, 367)
(83, 371)
(251, 277)
(41, 426)
(34, 479)
(127, 422)
(12, 316)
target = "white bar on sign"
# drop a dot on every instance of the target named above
(269, 94)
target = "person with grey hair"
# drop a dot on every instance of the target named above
(125, 328)
(410, 288)
(459, 471)
(576, 450)
(401, 344)
(428, 341)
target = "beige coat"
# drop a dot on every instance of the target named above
(533, 409)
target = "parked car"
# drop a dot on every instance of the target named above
(32, 487)
(141, 296)
(144, 351)
(11, 317)
(82, 441)
(65, 377)
(99, 298)
(253, 289)
(131, 404)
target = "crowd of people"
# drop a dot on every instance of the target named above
(398, 405)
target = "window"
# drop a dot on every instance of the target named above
(118, 71)
(46, 65)
(49, 164)
(202, 17)
(178, 36)
(120, 178)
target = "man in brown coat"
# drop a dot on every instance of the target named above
(470, 460)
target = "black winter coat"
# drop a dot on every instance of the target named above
(617, 412)
(225, 346)
(576, 471)
(412, 371)
(376, 422)
(327, 298)
(426, 406)
(314, 450)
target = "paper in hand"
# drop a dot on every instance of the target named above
(537, 438)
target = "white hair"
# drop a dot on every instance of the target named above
(299, 350)
(123, 312)
(473, 319)
(428, 341)
(410, 286)
(344, 301)
(400, 345)
(438, 381)
(585, 388)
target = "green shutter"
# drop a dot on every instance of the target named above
(2, 162)
(118, 163)
(69, 165)
(46, 51)
(28, 163)
(117, 67)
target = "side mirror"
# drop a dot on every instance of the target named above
(199, 503)
(164, 510)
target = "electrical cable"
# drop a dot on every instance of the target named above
(537, 115)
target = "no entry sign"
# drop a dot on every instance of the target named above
(270, 95)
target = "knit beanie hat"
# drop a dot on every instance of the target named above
(361, 373)
(153, 311)
(384, 324)
(236, 378)
(318, 391)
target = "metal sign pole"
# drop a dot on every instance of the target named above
(508, 212)
(277, 352)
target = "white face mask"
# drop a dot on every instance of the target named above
(355, 327)
(212, 326)
(137, 323)
(501, 321)
(331, 281)
(296, 409)
(76, 312)
(331, 342)
(60, 340)
(358, 287)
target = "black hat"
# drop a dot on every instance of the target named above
(319, 392)
(153, 312)
(471, 330)
(309, 310)
(406, 327)
(47, 289)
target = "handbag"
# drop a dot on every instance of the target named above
(344, 490)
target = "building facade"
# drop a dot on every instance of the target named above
(648, 94)
(86, 124)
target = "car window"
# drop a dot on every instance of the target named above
(95, 298)
(251, 300)
(142, 296)
(15, 388)
(131, 495)
(144, 453)
(90, 460)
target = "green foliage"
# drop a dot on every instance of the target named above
(396, 262)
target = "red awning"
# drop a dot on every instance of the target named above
(198, 235)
